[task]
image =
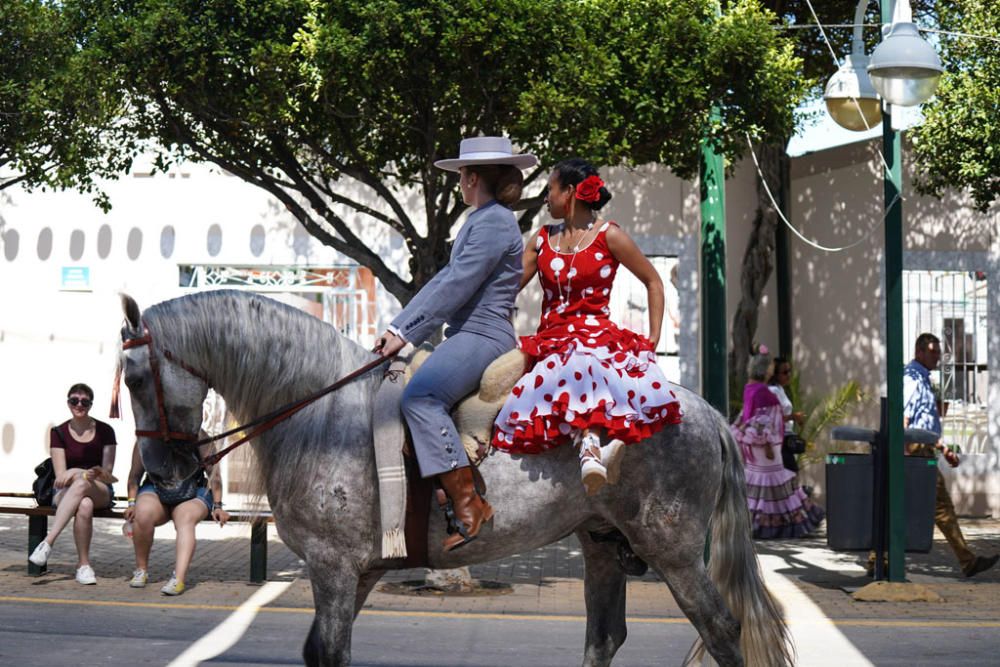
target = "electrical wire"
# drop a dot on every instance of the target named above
(799, 234)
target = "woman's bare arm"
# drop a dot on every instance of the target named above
(628, 253)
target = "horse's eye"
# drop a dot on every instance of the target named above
(133, 382)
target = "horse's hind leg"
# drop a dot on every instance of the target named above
(335, 591)
(604, 590)
(701, 602)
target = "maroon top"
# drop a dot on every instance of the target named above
(82, 454)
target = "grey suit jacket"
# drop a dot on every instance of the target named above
(475, 291)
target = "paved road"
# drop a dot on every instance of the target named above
(44, 634)
(50, 620)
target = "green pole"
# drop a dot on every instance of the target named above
(714, 374)
(894, 334)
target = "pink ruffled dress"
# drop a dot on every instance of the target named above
(778, 506)
(585, 371)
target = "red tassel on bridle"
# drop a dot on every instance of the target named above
(115, 412)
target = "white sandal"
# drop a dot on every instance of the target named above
(592, 471)
(611, 458)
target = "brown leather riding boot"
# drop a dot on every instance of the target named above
(470, 509)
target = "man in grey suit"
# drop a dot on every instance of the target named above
(474, 295)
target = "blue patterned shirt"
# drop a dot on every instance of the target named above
(919, 405)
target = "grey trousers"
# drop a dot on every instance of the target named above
(451, 373)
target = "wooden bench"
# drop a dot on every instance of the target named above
(38, 528)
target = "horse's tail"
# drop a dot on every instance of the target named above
(734, 569)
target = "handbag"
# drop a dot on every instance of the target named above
(794, 444)
(44, 485)
(182, 492)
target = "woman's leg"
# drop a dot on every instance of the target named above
(149, 513)
(83, 530)
(68, 502)
(449, 374)
(186, 516)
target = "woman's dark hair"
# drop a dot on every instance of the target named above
(573, 171)
(503, 180)
(778, 363)
(80, 388)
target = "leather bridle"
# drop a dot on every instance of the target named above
(259, 425)
(164, 434)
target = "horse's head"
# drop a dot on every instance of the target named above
(167, 397)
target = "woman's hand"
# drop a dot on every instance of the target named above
(220, 515)
(129, 513)
(67, 477)
(799, 418)
(101, 474)
(389, 344)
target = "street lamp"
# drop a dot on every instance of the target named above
(851, 99)
(904, 70)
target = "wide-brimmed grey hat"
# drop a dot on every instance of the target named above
(487, 150)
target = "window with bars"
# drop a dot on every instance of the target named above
(953, 306)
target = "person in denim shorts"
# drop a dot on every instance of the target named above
(147, 510)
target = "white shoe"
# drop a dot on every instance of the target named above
(40, 556)
(611, 458)
(85, 575)
(173, 587)
(592, 471)
(139, 579)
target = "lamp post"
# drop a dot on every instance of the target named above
(904, 71)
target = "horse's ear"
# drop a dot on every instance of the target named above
(132, 314)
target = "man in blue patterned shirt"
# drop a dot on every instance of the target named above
(921, 410)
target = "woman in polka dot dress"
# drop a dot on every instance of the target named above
(588, 376)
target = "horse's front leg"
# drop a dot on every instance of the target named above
(335, 593)
(604, 591)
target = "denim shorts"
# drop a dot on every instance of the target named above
(203, 494)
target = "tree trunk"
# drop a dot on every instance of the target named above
(758, 263)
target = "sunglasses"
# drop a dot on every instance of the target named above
(74, 401)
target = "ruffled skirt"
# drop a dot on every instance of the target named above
(577, 387)
(779, 508)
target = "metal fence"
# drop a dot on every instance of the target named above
(953, 306)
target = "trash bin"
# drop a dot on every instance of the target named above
(849, 509)
(849, 479)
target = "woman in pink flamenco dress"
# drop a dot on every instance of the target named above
(588, 377)
(778, 507)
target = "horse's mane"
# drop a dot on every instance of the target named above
(260, 354)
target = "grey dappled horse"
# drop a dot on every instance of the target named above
(318, 471)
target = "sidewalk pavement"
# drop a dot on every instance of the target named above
(546, 581)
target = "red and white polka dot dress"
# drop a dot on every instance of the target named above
(585, 370)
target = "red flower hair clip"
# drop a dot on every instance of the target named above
(589, 189)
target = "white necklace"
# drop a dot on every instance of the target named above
(564, 294)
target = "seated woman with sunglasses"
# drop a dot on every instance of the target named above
(83, 456)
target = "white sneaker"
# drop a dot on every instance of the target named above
(611, 458)
(40, 556)
(85, 575)
(173, 587)
(139, 578)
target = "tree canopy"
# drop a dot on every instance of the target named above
(52, 122)
(300, 97)
(958, 144)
